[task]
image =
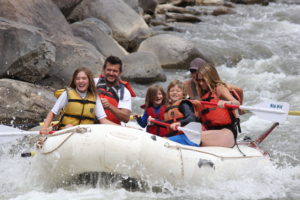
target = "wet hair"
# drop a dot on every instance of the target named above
(114, 61)
(151, 95)
(178, 84)
(91, 88)
(211, 77)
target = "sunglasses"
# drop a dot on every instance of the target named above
(193, 71)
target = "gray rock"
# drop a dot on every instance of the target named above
(43, 14)
(182, 17)
(66, 6)
(92, 33)
(148, 6)
(134, 4)
(172, 51)
(209, 2)
(101, 25)
(263, 2)
(171, 8)
(26, 55)
(129, 28)
(142, 67)
(72, 53)
(222, 10)
(23, 102)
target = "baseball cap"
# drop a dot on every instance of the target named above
(196, 63)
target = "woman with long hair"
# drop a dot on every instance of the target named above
(221, 123)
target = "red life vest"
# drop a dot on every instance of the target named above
(156, 129)
(173, 113)
(112, 95)
(213, 116)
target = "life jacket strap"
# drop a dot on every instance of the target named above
(83, 101)
(101, 84)
(79, 117)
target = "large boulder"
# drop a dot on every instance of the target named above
(42, 13)
(26, 54)
(72, 53)
(101, 25)
(91, 32)
(129, 28)
(142, 67)
(172, 51)
(23, 103)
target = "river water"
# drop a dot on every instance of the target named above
(257, 49)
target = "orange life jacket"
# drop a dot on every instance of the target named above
(112, 96)
(157, 129)
(213, 117)
(174, 114)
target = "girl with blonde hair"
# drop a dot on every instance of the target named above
(180, 112)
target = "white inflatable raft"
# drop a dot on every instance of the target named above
(137, 154)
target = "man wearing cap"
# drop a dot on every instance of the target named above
(190, 84)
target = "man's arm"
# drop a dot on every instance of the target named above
(122, 114)
(106, 121)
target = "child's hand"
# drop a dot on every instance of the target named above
(174, 126)
(135, 116)
(149, 120)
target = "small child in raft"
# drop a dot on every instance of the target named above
(155, 106)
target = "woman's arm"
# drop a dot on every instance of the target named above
(224, 94)
(238, 90)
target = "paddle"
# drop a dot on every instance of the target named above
(294, 112)
(192, 130)
(22, 133)
(269, 110)
(30, 125)
(19, 133)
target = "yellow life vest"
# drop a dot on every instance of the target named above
(78, 110)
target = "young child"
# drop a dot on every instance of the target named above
(155, 106)
(180, 112)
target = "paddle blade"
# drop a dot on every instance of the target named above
(192, 131)
(18, 133)
(270, 110)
